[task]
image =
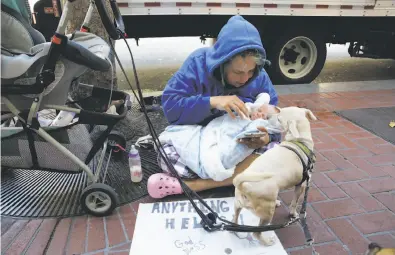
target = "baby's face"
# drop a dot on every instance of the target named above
(261, 112)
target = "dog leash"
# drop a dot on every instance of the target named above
(212, 217)
(307, 171)
(208, 221)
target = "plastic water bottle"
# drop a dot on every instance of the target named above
(136, 172)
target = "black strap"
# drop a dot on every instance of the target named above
(32, 147)
(72, 35)
(208, 221)
(305, 168)
(306, 177)
(303, 215)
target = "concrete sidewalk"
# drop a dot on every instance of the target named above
(351, 202)
(335, 87)
(312, 88)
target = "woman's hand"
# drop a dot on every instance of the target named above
(256, 142)
(229, 103)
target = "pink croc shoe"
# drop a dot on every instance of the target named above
(161, 185)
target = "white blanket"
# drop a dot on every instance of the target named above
(213, 152)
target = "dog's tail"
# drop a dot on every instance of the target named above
(251, 177)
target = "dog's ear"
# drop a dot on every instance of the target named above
(280, 119)
(293, 129)
(310, 116)
(273, 110)
(283, 123)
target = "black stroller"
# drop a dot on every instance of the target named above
(36, 76)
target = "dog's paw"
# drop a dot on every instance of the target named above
(278, 203)
(293, 215)
(267, 239)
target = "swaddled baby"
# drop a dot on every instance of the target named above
(220, 150)
(261, 108)
(213, 151)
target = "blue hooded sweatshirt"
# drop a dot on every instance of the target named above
(186, 97)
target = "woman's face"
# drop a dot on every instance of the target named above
(240, 70)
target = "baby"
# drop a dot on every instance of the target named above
(214, 150)
(261, 108)
(220, 150)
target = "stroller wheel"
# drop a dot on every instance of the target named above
(116, 138)
(99, 199)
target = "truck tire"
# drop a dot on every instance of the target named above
(296, 58)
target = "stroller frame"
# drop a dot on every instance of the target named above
(97, 199)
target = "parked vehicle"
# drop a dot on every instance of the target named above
(294, 33)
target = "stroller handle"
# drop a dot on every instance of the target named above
(74, 52)
(79, 54)
(117, 30)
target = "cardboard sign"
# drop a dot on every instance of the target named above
(173, 228)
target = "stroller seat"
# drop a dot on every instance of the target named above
(23, 68)
(18, 34)
(19, 63)
(24, 52)
(35, 81)
(22, 62)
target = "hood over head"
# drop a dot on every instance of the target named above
(236, 36)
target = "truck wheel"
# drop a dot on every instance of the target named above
(296, 59)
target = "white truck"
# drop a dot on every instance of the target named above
(294, 33)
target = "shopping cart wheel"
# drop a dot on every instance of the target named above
(99, 199)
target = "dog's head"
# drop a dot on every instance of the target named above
(296, 122)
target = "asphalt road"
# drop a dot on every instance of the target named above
(158, 58)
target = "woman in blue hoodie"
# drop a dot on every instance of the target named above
(220, 79)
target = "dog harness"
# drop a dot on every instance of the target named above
(307, 166)
(307, 170)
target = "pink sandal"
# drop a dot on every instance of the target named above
(161, 185)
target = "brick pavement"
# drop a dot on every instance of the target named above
(351, 203)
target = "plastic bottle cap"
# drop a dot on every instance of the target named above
(133, 151)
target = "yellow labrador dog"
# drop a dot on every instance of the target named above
(279, 168)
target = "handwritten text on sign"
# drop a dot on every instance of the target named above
(171, 208)
(173, 228)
